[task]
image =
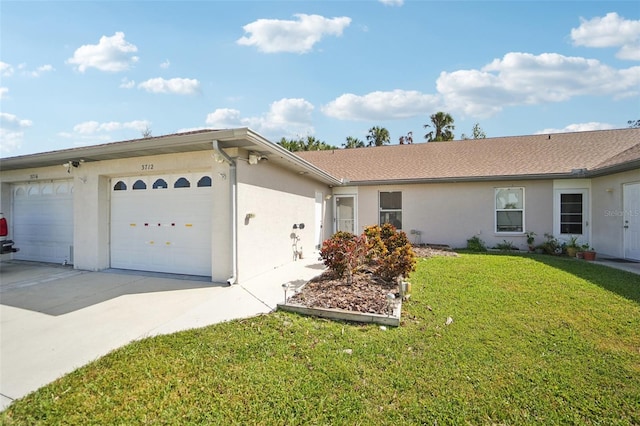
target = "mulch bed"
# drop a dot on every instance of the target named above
(367, 293)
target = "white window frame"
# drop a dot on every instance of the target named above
(383, 210)
(511, 209)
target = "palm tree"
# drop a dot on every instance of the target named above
(378, 136)
(443, 126)
(310, 143)
(352, 142)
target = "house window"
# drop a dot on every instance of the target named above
(571, 214)
(391, 208)
(509, 209)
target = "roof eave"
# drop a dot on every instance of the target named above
(617, 168)
(462, 179)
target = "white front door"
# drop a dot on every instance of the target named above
(346, 213)
(631, 220)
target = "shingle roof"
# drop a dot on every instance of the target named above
(519, 156)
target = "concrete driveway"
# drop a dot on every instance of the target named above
(55, 319)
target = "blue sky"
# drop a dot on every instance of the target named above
(82, 73)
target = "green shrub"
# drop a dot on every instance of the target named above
(391, 252)
(476, 244)
(505, 246)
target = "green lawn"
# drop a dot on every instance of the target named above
(534, 340)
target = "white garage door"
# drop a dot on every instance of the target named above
(43, 221)
(162, 223)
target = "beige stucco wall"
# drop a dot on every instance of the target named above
(607, 212)
(277, 199)
(451, 213)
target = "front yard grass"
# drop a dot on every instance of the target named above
(535, 340)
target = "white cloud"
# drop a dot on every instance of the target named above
(526, 79)
(274, 35)
(178, 86)
(578, 127)
(392, 2)
(93, 127)
(12, 121)
(6, 70)
(286, 117)
(166, 64)
(3, 92)
(125, 83)
(611, 30)
(42, 69)
(110, 54)
(12, 131)
(396, 104)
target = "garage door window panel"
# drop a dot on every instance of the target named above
(120, 186)
(160, 184)
(182, 183)
(139, 185)
(204, 182)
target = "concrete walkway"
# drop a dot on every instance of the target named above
(628, 266)
(55, 319)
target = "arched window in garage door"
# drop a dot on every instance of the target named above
(204, 181)
(139, 185)
(182, 183)
(120, 186)
(160, 184)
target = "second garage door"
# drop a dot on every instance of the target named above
(162, 223)
(43, 221)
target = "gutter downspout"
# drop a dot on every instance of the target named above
(234, 212)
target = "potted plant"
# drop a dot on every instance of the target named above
(531, 238)
(589, 253)
(572, 247)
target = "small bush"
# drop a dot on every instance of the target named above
(476, 244)
(390, 251)
(505, 246)
(384, 248)
(334, 251)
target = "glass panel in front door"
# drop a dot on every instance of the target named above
(571, 214)
(345, 214)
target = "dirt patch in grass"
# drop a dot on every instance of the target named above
(367, 294)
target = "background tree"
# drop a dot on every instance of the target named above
(378, 136)
(146, 133)
(442, 124)
(352, 142)
(634, 124)
(406, 139)
(476, 133)
(309, 143)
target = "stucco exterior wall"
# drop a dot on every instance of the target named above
(270, 201)
(608, 212)
(451, 213)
